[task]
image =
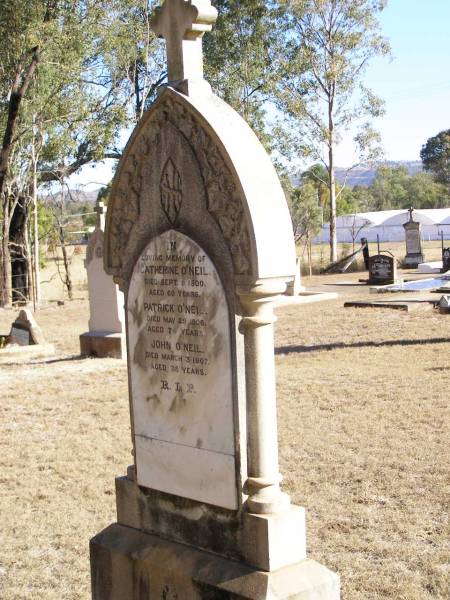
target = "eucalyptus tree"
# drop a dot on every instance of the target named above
(73, 75)
(435, 155)
(241, 57)
(328, 45)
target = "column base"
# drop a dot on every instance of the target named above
(128, 564)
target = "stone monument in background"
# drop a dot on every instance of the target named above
(413, 239)
(106, 335)
(199, 238)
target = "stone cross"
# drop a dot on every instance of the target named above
(100, 209)
(411, 210)
(182, 23)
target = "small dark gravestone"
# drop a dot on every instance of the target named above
(25, 331)
(445, 260)
(382, 269)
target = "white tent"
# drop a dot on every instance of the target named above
(388, 225)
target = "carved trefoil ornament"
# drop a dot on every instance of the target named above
(171, 191)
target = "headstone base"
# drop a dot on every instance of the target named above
(266, 542)
(413, 260)
(126, 563)
(103, 345)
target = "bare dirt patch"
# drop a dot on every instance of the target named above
(364, 433)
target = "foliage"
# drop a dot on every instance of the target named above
(394, 188)
(329, 43)
(435, 155)
(306, 213)
(241, 57)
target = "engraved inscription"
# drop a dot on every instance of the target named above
(180, 352)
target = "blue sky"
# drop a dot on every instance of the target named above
(415, 84)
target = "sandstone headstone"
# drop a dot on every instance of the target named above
(25, 340)
(106, 335)
(25, 331)
(413, 239)
(199, 238)
(382, 269)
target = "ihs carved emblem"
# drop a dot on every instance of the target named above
(171, 191)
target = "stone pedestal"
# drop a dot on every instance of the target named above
(101, 344)
(127, 564)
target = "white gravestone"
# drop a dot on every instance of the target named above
(199, 238)
(413, 239)
(106, 335)
(178, 329)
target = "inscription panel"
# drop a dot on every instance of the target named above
(181, 380)
(413, 240)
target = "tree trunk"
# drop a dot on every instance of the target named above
(5, 266)
(332, 184)
(18, 232)
(68, 278)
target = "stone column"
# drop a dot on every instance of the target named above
(264, 478)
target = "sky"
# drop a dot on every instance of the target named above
(414, 83)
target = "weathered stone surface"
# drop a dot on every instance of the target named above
(180, 367)
(106, 335)
(103, 345)
(106, 302)
(25, 331)
(204, 526)
(127, 564)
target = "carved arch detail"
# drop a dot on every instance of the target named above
(224, 202)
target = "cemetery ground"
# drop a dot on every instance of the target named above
(363, 428)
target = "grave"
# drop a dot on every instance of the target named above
(382, 269)
(413, 239)
(106, 335)
(445, 260)
(25, 340)
(199, 238)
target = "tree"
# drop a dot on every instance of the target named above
(435, 155)
(329, 44)
(241, 57)
(88, 68)
(306, 214)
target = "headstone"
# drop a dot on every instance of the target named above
(25, 340)
(413, 239)
(366, 254)
(106, 335)
(445, 260)
(25, 331)
(382, 269)
(199, 238)
(294, 287)
(444, 305)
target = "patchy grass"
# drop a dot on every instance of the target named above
(364, 434)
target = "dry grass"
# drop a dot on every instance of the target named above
(364, 432)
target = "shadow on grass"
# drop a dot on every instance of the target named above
(366, 344)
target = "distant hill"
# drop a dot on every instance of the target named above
(73, 196)
(365, 174)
